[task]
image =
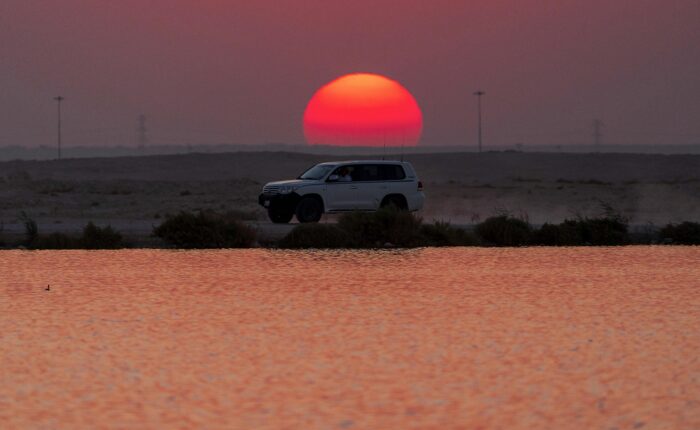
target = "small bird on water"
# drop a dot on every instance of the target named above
(48, 288)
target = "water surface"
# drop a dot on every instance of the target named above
(453, 338)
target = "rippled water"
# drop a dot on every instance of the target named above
(460, 338)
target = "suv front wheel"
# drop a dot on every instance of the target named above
(309, 209)
(279, 216)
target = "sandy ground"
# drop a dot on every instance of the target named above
(133, 194)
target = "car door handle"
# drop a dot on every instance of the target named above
(353, 187)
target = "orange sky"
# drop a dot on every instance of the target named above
(215, 71)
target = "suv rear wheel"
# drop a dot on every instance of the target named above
(398, 202)
(309, 209)
(279, 216)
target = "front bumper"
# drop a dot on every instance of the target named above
(286, 202)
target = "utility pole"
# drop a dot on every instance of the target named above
(141, 131)
(59, 99)
(478, 95)
(597, 133)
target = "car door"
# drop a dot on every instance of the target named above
(394, 180)
(368, 186)
(341, 196)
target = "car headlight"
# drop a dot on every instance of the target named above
(286, 189)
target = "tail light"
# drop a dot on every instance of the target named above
(420, 185)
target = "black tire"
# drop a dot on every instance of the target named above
(396, 202)
(279, 216)
(309, 209)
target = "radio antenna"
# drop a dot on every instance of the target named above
(384, 154)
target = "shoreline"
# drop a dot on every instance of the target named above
(269, 236)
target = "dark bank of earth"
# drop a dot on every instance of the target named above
(387, 228)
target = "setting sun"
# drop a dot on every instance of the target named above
(363, 109)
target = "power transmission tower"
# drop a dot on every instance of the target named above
(478, 95)
(597, 133)
(141, 131)
(59, 99)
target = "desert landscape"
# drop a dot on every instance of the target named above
(550, 279)
(134, 194)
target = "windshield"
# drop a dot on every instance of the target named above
(317, 172)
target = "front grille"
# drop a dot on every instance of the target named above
(271, 189)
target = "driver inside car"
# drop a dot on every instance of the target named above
(344, 175)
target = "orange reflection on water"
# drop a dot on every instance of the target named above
(460, 338)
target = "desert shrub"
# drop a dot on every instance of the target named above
(604, 231)
(608, 229)
(443, 234)
(56, 241)
(685, 233)
(647, 234)
(95, 237)
(316, 236)
(375, 230)
(601, 231)
(31, 230)
(547, 235)
(385, 226)
(504, 230)
(567, 233)
(205, 230)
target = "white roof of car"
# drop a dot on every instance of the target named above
(365, 162)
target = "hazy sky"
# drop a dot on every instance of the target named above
(234, 71)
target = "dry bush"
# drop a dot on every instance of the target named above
(320, 236)
(685, 233)
(205, 230)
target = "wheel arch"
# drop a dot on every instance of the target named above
(315, 196)
(398, 197)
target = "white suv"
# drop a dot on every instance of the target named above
(343, 186)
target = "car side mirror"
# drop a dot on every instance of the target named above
(333, 178)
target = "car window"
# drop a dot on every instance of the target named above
(392, 172)
(317, 172)
(344, 173)
(373, 172)
(366, 172)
